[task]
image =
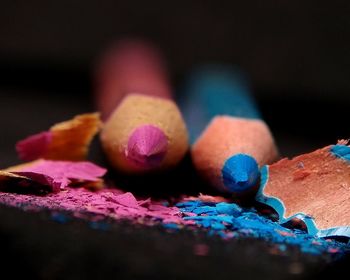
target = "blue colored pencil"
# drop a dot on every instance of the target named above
(229, 140)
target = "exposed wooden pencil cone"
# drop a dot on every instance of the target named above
(138, 110)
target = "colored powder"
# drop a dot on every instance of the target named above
(223, 219)
(228, 220)
(111, 203)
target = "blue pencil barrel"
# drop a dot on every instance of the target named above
(221, 90)
(214, 90)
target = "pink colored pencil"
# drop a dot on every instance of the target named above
(144, 129)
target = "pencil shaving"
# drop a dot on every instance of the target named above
(313, 188)
(71, 139)
(68, 140)
(56, 174)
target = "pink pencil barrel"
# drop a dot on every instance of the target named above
(129, 66)
(144, 130)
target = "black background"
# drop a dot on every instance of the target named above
(297, 54)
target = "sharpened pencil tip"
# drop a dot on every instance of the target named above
(240, 173)
(147, 146)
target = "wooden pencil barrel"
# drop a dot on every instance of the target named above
(144, 130)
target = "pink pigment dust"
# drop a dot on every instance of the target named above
(108, 202)
(111, 203)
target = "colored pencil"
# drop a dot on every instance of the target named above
(144, 130)
(313, 188)
(229, 140)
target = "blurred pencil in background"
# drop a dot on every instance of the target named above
(229, 140)
(144, 130)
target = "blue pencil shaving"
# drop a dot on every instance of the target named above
(228, 220)
(341, 151)
(311, 189)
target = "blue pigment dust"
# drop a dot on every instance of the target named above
(229, 220)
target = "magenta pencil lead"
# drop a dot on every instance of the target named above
(147, 146)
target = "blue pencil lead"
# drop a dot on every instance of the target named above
(240, 173)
